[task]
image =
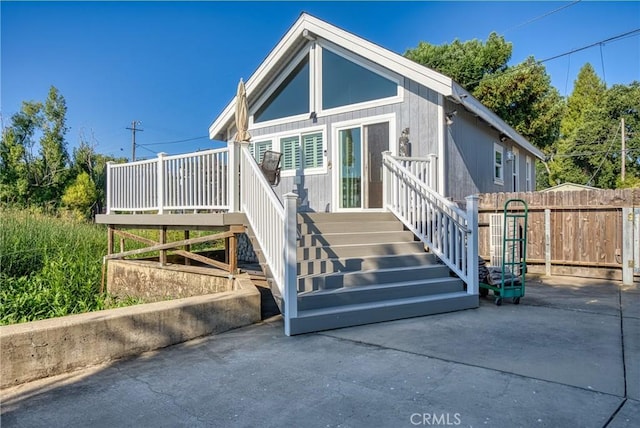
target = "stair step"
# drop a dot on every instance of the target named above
(371, 237)
(313, 267)
(345, 217)
(345, 227)
(376, 276)
(378, 292)
(366, 313)
(360, 250)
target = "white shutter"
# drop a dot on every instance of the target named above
(290, 153)
(313, 150)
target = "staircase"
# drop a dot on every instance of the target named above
(361, 268)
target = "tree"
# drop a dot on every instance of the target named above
(465, 62)
(81, 196)
(567, 164)
(17, 163)
(53, 161)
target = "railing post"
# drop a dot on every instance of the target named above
(386, 186)
(233, 170)
(433, 172)
(160, 182)
(290, 265)
(472, 244)
(109, 187)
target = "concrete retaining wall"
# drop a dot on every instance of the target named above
(45, 348)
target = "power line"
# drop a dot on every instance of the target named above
(542, 16)
(516, 68)
(175, 142)
(605, 156)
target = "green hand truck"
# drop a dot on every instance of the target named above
(508, 280)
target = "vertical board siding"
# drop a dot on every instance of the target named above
(586, 229)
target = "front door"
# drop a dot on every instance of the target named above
(360, 165)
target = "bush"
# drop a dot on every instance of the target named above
(49, 266)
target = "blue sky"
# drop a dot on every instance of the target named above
(175, 65)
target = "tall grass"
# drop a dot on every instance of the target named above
(49, 266)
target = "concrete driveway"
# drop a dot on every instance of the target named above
(567, 356)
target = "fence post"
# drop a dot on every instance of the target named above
(233, 171)
(433, 172)
(290, 265)
(472, 244)
(547, 242)
(627, 246)
(109, 187)
(160, 182)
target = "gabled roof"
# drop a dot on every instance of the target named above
(310, 26)
(564, 187)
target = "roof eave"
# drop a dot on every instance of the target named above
(462, 96)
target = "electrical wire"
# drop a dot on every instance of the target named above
(605, 156)
(537, 18)
(175, 142)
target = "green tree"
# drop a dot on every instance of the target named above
(81, 196)
(567, 164)
(17, 163)
(53, 161)
(465, 62)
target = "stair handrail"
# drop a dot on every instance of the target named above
(274, 225)
(448, 231)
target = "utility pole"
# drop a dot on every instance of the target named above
(133, 137)
(623, 170)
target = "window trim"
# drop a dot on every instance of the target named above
(497, 148)
(300, 133)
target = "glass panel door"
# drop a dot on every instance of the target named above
(350, 173)
(376, 139)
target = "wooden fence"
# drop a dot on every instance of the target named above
(573, 232)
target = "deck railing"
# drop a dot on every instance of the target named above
(450, 232)
(274, 226)
(193, 181)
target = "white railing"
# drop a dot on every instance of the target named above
(275, 228)
(425, 169)
(449, 232)
(193, 181)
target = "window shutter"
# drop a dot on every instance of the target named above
(290, 153)
(312, 147)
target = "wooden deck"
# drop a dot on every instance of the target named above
(173, 221)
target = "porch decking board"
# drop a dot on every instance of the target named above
(194, 221)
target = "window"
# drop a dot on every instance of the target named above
(258, 148)
(344, 82)
(528, 175)
(313, 150)
(516, 170)
(290, 98)
(290, 147)
(498, 167)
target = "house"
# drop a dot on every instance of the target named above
(375, 217)
(332, 102)
(565, 187)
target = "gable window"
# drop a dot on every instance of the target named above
(345, 82)
(528, 175)
(258, 148)
(498, 164)
(290, 98)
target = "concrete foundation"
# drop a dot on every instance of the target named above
(149, 281)
(49, 347)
